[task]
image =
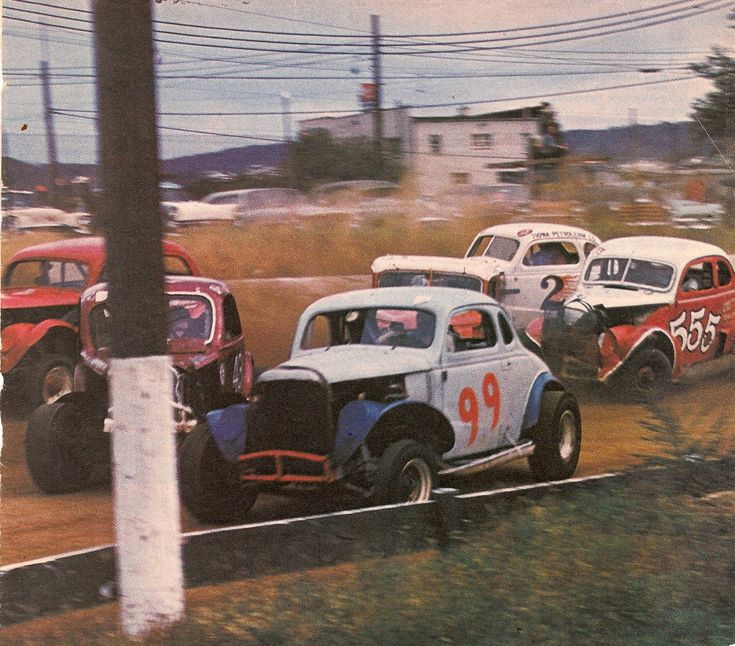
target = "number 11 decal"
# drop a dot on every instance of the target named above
(469, 406)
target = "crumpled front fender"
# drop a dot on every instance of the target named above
(19, 338)
(355, 421)
(228, 427)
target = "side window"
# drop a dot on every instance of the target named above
(698, 278)
(505, 329)
(724, 275)
(231, 318)
(471, 330)
(542, 254)
(176, 266)
(435, 144)
(317, 334)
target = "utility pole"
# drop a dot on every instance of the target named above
(378, 82)
(145, 489)
(48, 117)
(286, 115)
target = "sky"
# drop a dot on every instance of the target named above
(487, 55)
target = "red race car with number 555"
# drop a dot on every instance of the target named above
(646, 309)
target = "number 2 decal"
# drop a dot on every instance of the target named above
(469, 406)
(695, 336)
(558, 286)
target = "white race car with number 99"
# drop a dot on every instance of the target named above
(386, 390)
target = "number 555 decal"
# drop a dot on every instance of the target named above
(696, 335)
(469, 407)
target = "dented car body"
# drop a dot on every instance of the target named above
(646, 310)
(524, 266)
(40, 311)
(385, 390)
(210, 364)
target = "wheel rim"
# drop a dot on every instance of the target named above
(414, 482)
(57, 382)
(567, 435)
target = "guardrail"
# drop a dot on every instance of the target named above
(87, 577)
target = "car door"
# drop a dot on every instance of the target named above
(704, 297)
(546, 271)
(475, 373)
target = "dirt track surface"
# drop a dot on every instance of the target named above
(34, 525)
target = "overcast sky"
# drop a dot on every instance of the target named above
(538, 50)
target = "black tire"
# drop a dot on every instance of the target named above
(406, 473)
(557, 437)
(53, 377)
(58, 453)
(210, 486)
(646, 376)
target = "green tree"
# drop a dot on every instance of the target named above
(715, 112)
(317, 158)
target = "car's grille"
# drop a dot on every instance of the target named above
(290, 415)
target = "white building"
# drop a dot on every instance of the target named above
(478, 150)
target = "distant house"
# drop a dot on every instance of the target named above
(512, 146)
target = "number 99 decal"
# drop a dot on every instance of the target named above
(469, 406)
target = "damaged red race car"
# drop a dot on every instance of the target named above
(40, 311)
(646, 310)
(66, 442)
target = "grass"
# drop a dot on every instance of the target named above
(624, 563)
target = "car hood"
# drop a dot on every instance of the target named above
(25, 297)
(345, 363)
(610, 297)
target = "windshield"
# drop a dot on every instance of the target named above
(612, 271)
(47, 273)
(494, 247)
(190, 317)
(433, 278)
(404, 327)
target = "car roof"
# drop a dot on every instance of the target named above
(199, 284)
(481, 267)
(675, 251)
(439, 300)
(539, 230)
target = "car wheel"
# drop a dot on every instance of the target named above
(406, 473)
(210, 486)
(646, 376)
(58, 454)
(557, 437)
(54, 377)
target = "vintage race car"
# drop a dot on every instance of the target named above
(386, 390)
(40, 311)
(647, 309)
(524, 266)
(65, 440)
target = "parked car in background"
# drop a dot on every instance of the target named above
(524, 266)
(66, 439)
(214, 207)
(386, 391)
(258, 204)
(40, 311)
(647, 309)
(464, 197)
(19, 213)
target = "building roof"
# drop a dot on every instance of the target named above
(530, 112)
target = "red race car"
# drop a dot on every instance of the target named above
(646, 309)
(40, 311)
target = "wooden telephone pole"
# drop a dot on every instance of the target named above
(146, 503)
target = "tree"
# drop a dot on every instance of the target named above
(317, 158)
(715, 112)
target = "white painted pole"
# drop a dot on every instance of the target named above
(145, 488)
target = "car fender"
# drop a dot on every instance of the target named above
(543, 381)
(228, 427)
(629, 338)
(359, 417)
(534, 329)
(19, 338)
